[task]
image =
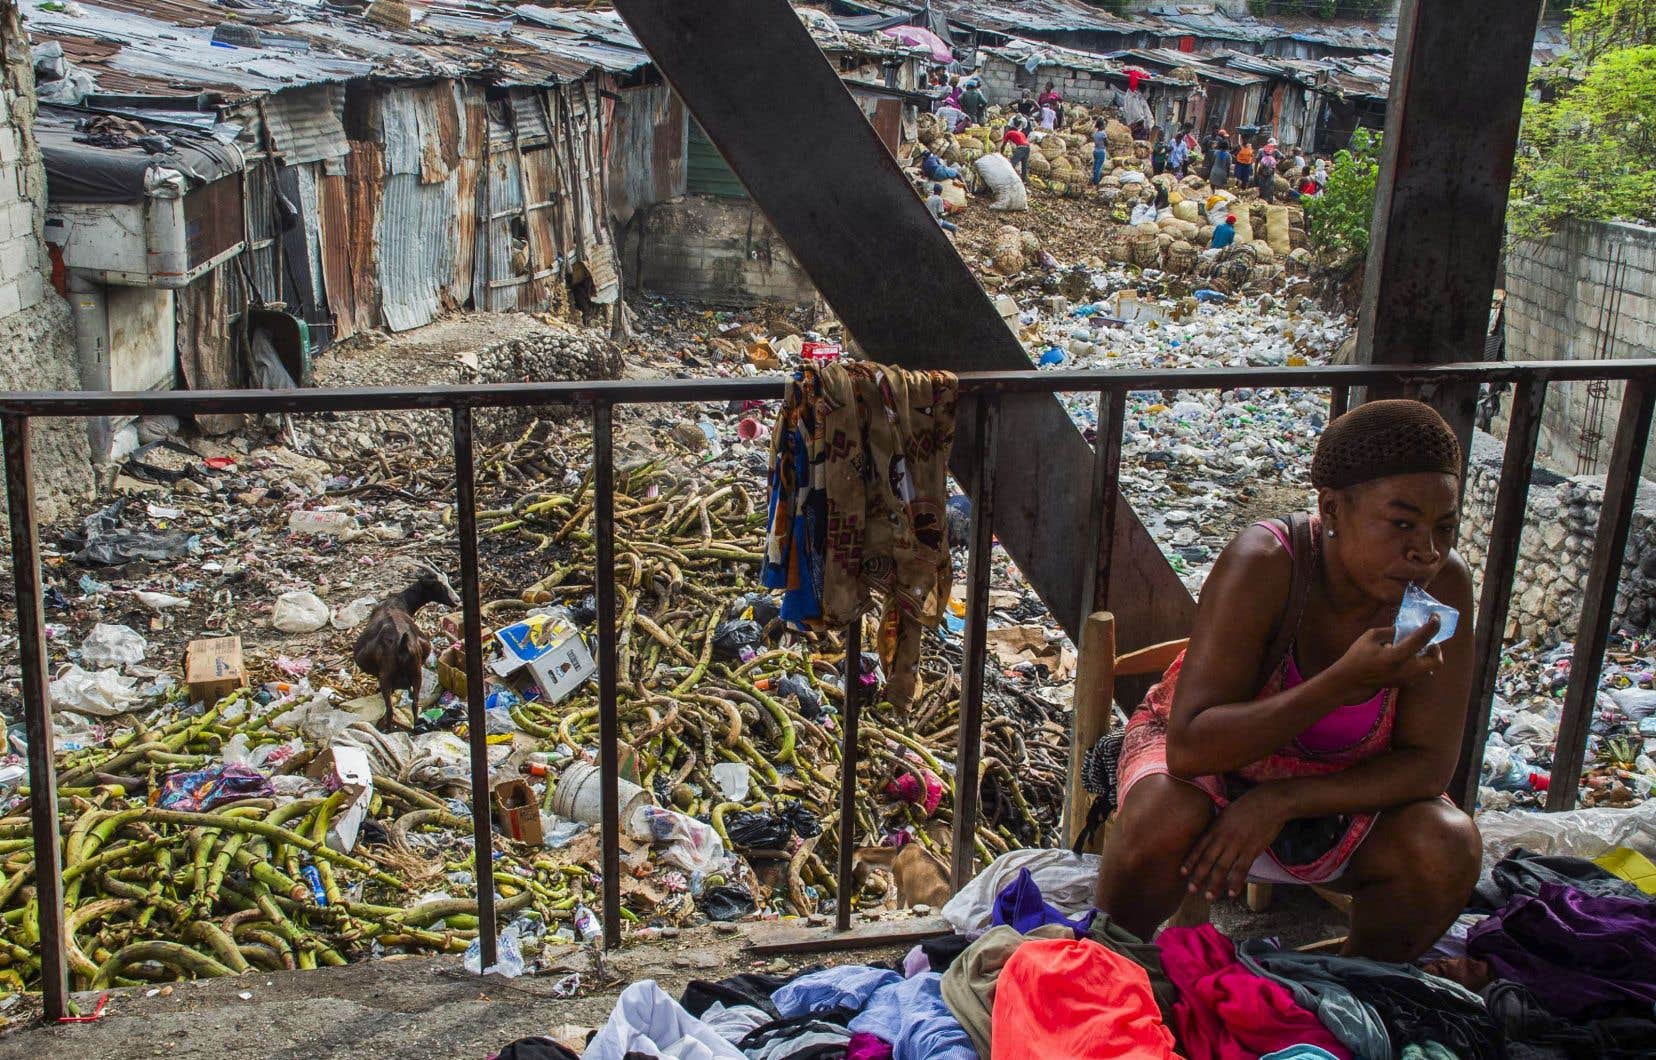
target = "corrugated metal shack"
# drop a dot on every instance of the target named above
(400, 163)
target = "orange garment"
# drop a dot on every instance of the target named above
(1244, 157)
(1077, 999)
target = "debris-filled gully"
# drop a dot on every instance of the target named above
(214, 828)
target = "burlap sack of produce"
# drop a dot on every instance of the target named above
(950, 153)
(1117, 248)
(1118, 137)
(1188, 210)
(1280, 187)
(1164, 241)
(1146, 251)
(1180, 257)
(1298, 239)
(1007, 252)
(1256, 216)
(1278, 230)
(1062, 169)
(1030, 242)
(1299, 259)
(954, 196)
(1039, 165)
(1148, 228)
(1263, 250)
(1244, 229)
(1204, 236)
(1110, 180)
(927, 127)
(1141, 150)
(1050, 148)
(1036, 183)
(1110, 195)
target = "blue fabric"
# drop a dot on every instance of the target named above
(802, 604)
(1020, 905)
(848, 986)
(912, 1017)
(1100, 156)
(1301, 1052)
(932, 168)
(1223, 236)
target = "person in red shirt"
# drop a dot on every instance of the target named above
(1020, 150)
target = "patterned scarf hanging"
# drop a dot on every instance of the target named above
(858, 488)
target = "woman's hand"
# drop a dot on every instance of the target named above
(1373, 662)
(1218, 863)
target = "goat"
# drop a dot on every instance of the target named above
(393, 648)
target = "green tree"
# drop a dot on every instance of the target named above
(1338, 220)
(1590, 152)
(1597, 26)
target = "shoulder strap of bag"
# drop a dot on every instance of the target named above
(1300, 540)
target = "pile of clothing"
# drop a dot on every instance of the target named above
(858, 495)
(1557, 960)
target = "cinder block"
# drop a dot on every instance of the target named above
(17, 256)
(31, 288)
(10, 302)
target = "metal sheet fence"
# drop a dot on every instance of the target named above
(983, 392)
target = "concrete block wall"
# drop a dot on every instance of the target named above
(36, 332)
(1556, 289)
(714, 250)
(1004, 83)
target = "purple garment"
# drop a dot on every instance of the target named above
(1574, 950)
(1020, 905)
(867, 1047)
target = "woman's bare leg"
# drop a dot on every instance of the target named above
(1410, 879)
(1139, 884)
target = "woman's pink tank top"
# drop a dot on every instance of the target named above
(1341, 727)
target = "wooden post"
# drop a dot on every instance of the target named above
(1094, 687)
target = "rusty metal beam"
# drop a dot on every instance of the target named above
(842, 205)
(1439, 213)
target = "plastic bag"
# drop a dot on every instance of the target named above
(109, 645)
(354, 613)
(737, 639)
(810, 704)
(692, 846)
(997, 172)
(299, 612)
(757, 831)
(1068, 881)
(732, 779)
(508, 955)
(203, 789)
(1416, 609)
(101, 694)
(1579, 833)
(729, 902)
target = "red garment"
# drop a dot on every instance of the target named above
(1133, 79)
(1013, 136)
(1077, 999)
(1226, 1012)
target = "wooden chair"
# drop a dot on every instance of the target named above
(1097, 670)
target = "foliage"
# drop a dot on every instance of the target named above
(1597, 26)
(1338, 220)
(1587, 154)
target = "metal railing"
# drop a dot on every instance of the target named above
(982, 395)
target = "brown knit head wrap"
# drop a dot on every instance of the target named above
(1384, 438)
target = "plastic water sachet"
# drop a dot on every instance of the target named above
(1417, 607)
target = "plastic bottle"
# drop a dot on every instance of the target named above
(314, 878)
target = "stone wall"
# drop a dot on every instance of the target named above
(1555, 291)
(1004, 82)
(714, 250)
(1556, 547)
(37, 346)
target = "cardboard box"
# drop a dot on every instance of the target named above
(517, 811)
(213, 669)
(550, 648)
(345, 768)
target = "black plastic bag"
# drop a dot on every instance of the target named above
(804, 823)
(810, 704)
(729, 902)
(736, 636)
(757, 831)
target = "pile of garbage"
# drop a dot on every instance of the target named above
(237, 800)
(1523, 729)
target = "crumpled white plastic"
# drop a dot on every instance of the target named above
(691, 845)
(102, 694)
(109, 645)
(508, 955)
(1067, 880)
(1579, 833)
(299, 612)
